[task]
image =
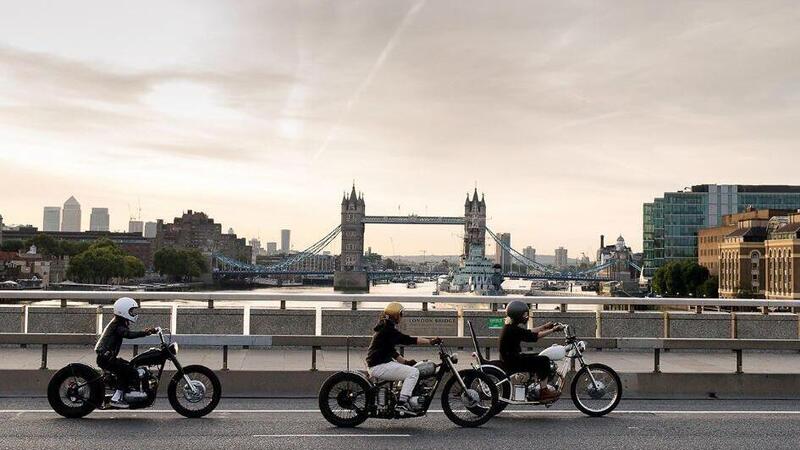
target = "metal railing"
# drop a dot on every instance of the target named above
(317, 343)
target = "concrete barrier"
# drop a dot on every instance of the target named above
(706, 325)
(282, 321)
(12, 319)
(348, 323)
(62, 320)
(415, 323)
(760, 326)
(210, 321)
(481, 322)
(148, 317)
(639, 324)
(583, 323)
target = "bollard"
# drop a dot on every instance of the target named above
(283, 304)
(354, 306)
(210, 304)
(314, 358)
(424, 306)
(63, 303)
(656, 360)
(738, 361)
(224, 357)
(44, 357)
(563, 307)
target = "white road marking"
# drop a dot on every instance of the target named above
(439, 411)
(328, 435)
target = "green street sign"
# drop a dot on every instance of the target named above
(495, 323)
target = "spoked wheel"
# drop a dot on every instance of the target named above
(343, 399)
(70, 392)
(196, 397)
(503, 388)
(599, 397)
(471, 407)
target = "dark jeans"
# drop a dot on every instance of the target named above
(123, 370)
(525, 362)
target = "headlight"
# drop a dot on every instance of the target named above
(581, 346)
(173, 348)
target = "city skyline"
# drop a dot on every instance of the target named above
(259, 125)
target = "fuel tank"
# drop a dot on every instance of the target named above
(555, 352)
(152, 357)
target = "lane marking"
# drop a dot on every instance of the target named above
(437, 411)
(328, 435)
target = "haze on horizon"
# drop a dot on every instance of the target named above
(568, 115)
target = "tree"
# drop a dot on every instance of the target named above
(102, 262)
(683, 278)
(180, 263)
(709, 288)
(12, 246)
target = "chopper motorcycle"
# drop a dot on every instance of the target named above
(349, 398)
(595, 389)
(194, 391)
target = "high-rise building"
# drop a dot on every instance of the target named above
(671, 223)
(501, 255)
(52, 218)
(286, 241)
(71, 216)
(255, 244)
(561, 260)
(530, 253)
(272, 248)
(136, 226)
(99, 219)
(150, 230)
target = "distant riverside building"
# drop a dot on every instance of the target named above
(561, 260)
(195, 230)
(52, 218)
(530, 253)
(286, 243)
(99, 219)
(71, 216)
(709, 239)
(620, 256)
(761, 258)
(150, 230)
(255, 244)
(501, 255)
(136, 226)
(272, 248)
(671, 223)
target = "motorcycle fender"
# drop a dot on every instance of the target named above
(362, 375)
(97, 385)
(489, 366)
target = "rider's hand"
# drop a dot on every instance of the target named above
(150, 330)
(411, 362)
(558, 327)
(549, 325)
(436, 341)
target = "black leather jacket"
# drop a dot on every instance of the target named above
(111, 339)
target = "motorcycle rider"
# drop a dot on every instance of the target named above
(383, 360)
(110, 341)
(511, 337)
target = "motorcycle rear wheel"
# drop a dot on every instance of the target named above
(503, 388)
(67, 398)
(344, 400)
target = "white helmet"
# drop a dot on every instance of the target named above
(125, 307)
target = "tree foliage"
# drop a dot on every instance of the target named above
(180, 263)
(103, 261)
(50, 246)
(12, 246)
(684, 278)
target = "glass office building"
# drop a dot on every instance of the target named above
(670, 223)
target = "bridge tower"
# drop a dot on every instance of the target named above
(350, 274)
(475, 226)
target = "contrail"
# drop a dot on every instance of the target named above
(387, 50)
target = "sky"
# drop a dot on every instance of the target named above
(568, 115)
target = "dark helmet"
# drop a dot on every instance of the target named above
(517, 311)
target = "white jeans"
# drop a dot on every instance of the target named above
(394, 371)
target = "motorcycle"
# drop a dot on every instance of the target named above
(194, 391)
(595, 389)
(348, 398)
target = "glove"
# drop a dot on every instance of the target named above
(436, 341)
(411, 362)
(150, 330)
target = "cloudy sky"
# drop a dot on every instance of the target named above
(567, 114)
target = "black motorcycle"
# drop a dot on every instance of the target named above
(348, 398)
(194, 391)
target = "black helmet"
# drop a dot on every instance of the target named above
(517, 311)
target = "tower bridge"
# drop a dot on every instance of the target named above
(350, 273)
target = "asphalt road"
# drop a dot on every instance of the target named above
(289, 424)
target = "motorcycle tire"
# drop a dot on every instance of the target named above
(482, 414)
(172, 392)
(503, 388)
(75, 374)
(352, 385)
(574, 390)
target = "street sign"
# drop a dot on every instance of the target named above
(495, 323)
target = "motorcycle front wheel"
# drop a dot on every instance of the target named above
(596, 398)
(343, 399)
(471, 407)
(198, 398)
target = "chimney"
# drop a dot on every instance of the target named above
(602, 241)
